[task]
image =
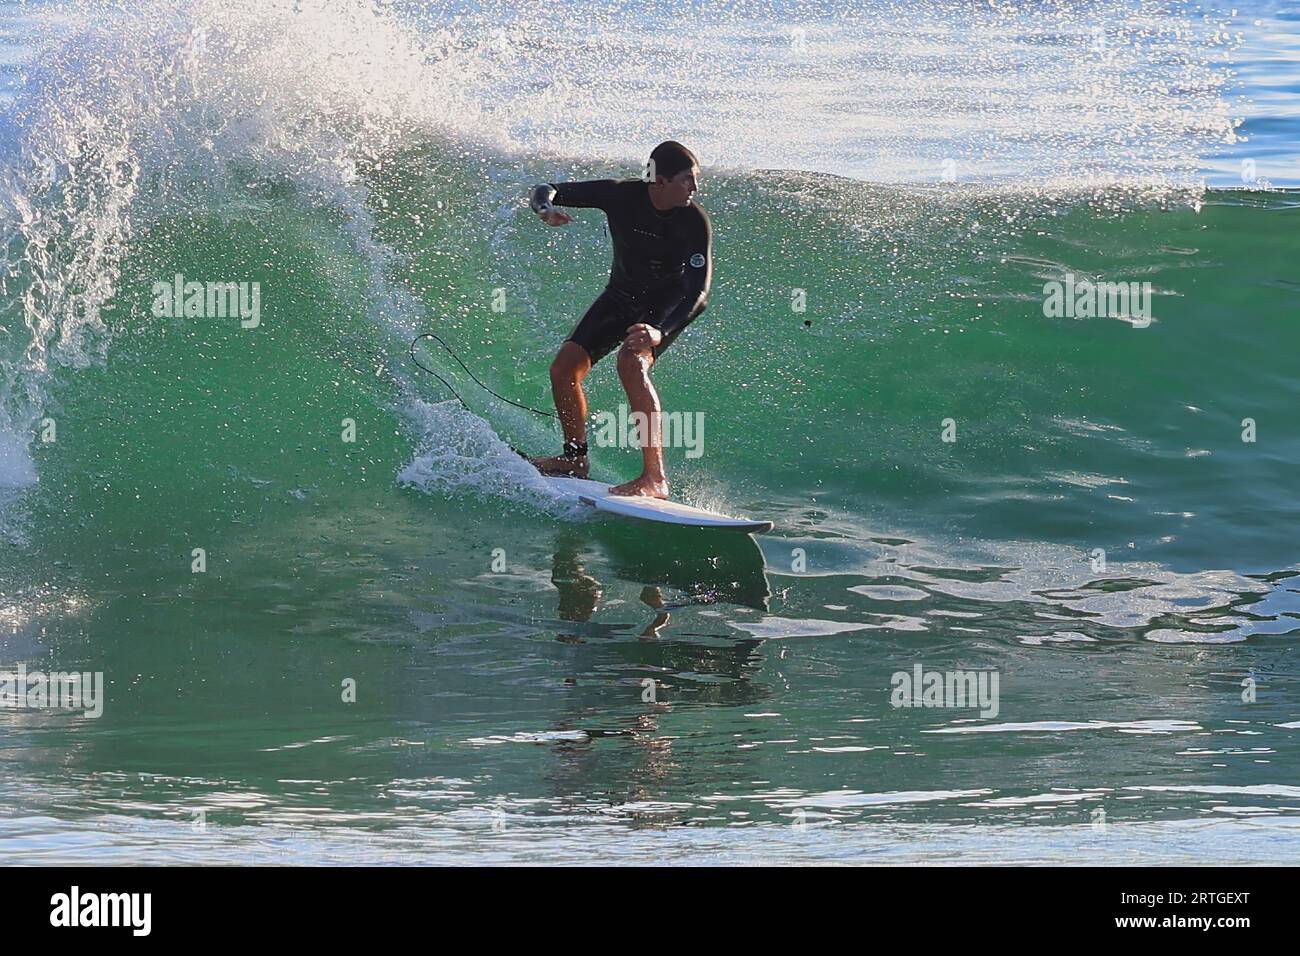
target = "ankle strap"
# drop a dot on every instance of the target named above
(575, 449)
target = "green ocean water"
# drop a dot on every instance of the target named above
(401, 647)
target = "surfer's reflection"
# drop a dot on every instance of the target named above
(706, 568)
(654, 598)
(580, 593)
(618, 690)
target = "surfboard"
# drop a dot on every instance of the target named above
(595, 494)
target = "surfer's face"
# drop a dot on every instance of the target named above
(679, 190)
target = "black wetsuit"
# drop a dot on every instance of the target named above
(663, 263)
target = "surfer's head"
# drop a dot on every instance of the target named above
(673, 173)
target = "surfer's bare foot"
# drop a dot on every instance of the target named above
(561, 466)
(644, 487)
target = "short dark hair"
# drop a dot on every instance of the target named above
(669, 158)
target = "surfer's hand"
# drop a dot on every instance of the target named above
(641, 337)
(553, 217)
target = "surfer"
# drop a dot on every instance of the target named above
(659, 283)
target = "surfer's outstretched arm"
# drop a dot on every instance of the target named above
(593, 194)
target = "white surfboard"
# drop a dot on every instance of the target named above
(596, 494)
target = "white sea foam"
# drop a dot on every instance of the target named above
(856, 798)
(1054, 726)
(458, 453)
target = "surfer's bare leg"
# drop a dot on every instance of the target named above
(634, 362)
(570, 367)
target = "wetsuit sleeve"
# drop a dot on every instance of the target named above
(593, 194)
(699, 279)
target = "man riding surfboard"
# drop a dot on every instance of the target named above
(659, 284)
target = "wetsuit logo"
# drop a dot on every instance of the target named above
(697, 260)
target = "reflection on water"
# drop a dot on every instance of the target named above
(595, 682)
(713, 568)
